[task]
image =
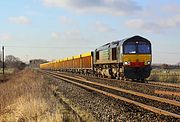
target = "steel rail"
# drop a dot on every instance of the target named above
(172, 102)
(147, 107)
(167, 93)
(166, 84)
(150, 83)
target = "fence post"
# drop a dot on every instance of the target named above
(3, 58)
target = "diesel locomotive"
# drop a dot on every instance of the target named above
(129, 58)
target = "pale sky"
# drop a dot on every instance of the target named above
(55, 29)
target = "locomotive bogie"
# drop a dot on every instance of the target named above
(138, 73)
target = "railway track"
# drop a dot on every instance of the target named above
(169, 92)
(166, 84)
(149, 83)
(155, 104)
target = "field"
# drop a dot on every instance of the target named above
(7, 74)
(172, 75)
(7, 70)
(27, 96)
(22, 98)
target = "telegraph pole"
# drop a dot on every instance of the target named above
(3, 58)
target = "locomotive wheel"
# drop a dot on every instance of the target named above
(133, 80)
(117, 78)
(143, 80)
(126, 79)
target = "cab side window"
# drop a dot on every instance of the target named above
(114, 55)
(97, 55)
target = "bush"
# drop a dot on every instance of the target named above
(154, 77)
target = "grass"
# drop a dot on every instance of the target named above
(26, 97)
(29, 97)
(172, 76)
(7, 73)
(7, 70)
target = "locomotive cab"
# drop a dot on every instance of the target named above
(137, 58)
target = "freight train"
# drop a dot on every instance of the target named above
(129, 58)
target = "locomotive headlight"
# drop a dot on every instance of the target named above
(127, 63)
(147, 62)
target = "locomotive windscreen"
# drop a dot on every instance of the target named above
(137, 48)
(144, 48)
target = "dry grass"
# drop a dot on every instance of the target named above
(26, 97)
(172, 76)
(30, 97)
(7, 70)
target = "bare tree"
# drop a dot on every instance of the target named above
(14, 62)
(164, 66)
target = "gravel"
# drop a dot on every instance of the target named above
(105, 108)
(138, 87)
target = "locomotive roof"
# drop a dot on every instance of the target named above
(120, 42)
